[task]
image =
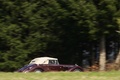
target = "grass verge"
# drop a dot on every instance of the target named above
(113, 75)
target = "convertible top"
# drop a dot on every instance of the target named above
(41, 60)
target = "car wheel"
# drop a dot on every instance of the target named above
(38, 70)
(77, 70)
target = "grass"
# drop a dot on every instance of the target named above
(113, 75)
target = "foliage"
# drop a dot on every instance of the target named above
(57, 28)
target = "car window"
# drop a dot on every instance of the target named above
(53, 62)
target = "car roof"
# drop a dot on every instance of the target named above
(41, 60)
(46, 58)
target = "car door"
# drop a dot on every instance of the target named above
(54, 66)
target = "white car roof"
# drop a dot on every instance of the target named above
(41, 60)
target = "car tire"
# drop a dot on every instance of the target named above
(38, 70)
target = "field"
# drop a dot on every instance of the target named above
(113, 75)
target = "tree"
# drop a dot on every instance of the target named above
(106, 25)
(26, 30)
(56, 28)
(117, 60)
(102, 59)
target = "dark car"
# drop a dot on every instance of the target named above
(46, 64)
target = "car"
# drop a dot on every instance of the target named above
(47, 64)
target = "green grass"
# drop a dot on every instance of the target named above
(113, 75)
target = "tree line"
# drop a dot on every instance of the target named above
(66, 29)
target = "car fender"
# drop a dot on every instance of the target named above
(76, 67)
(38, 67)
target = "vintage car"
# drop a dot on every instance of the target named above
(46, 64)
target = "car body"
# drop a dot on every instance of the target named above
(46, 64)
